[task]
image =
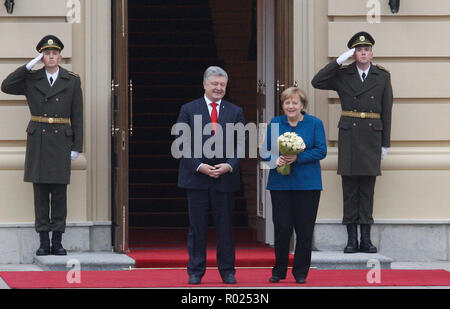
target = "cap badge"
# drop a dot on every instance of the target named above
(362, 38)
(50, 42)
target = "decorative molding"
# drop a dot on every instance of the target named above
(393, 221)
(68, 224)
(403, 158)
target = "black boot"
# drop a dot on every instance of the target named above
(366, 244)
(352, 243)
(44, 248)
(57, 248)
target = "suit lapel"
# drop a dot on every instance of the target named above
(354, 80)
(223, 114)
(369, 82)
(59, 84)
(203, 110)
(41, 83)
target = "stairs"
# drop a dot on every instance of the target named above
(171, 43)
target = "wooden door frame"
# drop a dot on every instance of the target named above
(120, 125)
(284, 48)
(275, 63)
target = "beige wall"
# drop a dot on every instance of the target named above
(416, 172)
(86, 44)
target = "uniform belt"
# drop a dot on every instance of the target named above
(361, 115)
(50, 119)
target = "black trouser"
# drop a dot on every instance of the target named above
(358, 194)
(294, 210)
(44, 196)
(222, 203)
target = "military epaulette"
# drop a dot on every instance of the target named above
(33, 71)
(383, 68)
(343, 67)
(74, 74)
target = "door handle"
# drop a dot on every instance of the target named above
(130, 87)
(114, 130)
(279, 86)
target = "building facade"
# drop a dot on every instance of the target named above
(412, 203)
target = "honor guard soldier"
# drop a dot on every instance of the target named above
(54, 137)
(365, 94)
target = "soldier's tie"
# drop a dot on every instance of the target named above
(363, 76)
(51, 81)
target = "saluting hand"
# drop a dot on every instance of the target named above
(33, 62)
(342, 58)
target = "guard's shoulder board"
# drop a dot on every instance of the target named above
(343, 67)
(383, 68)
(74, 74)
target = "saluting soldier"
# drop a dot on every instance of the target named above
(54, 137)
(365, 93)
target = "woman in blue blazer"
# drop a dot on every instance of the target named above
(295, 197)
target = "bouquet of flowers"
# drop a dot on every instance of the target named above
(289, 144)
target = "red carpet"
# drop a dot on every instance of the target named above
(165, 258)
(166, 248)
(166, 278)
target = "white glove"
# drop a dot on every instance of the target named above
(33, 62)
(383, 152)
(342, 58)
(74, 155)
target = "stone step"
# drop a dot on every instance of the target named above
(117, 261)
(340, 260)
(85, 261)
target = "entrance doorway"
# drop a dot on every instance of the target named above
(169, 44)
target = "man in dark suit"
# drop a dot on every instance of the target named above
(54, 136)
(365, 93)
(210, 180)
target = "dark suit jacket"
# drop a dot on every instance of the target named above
(188, 177)
(47, 158)
(360, 140)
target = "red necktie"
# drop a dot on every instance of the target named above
(214, 116)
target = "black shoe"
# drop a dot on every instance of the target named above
(300, 280)
(366, 245)
(195, 279)
(352, 243)
(57, 248)
(274, 279)
(44, 248)
(229, 279)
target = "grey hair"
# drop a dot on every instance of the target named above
(214, 71)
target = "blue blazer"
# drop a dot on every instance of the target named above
(188, 177)
(305, 171)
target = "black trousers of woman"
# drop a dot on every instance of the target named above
(294, 210)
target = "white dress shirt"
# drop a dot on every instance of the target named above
(210, 107)
(208, 103)
(54, 76)
(361, 72)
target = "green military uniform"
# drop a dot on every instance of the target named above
(360, 139)
(55, 129)
(49, 145)
(364, 128)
